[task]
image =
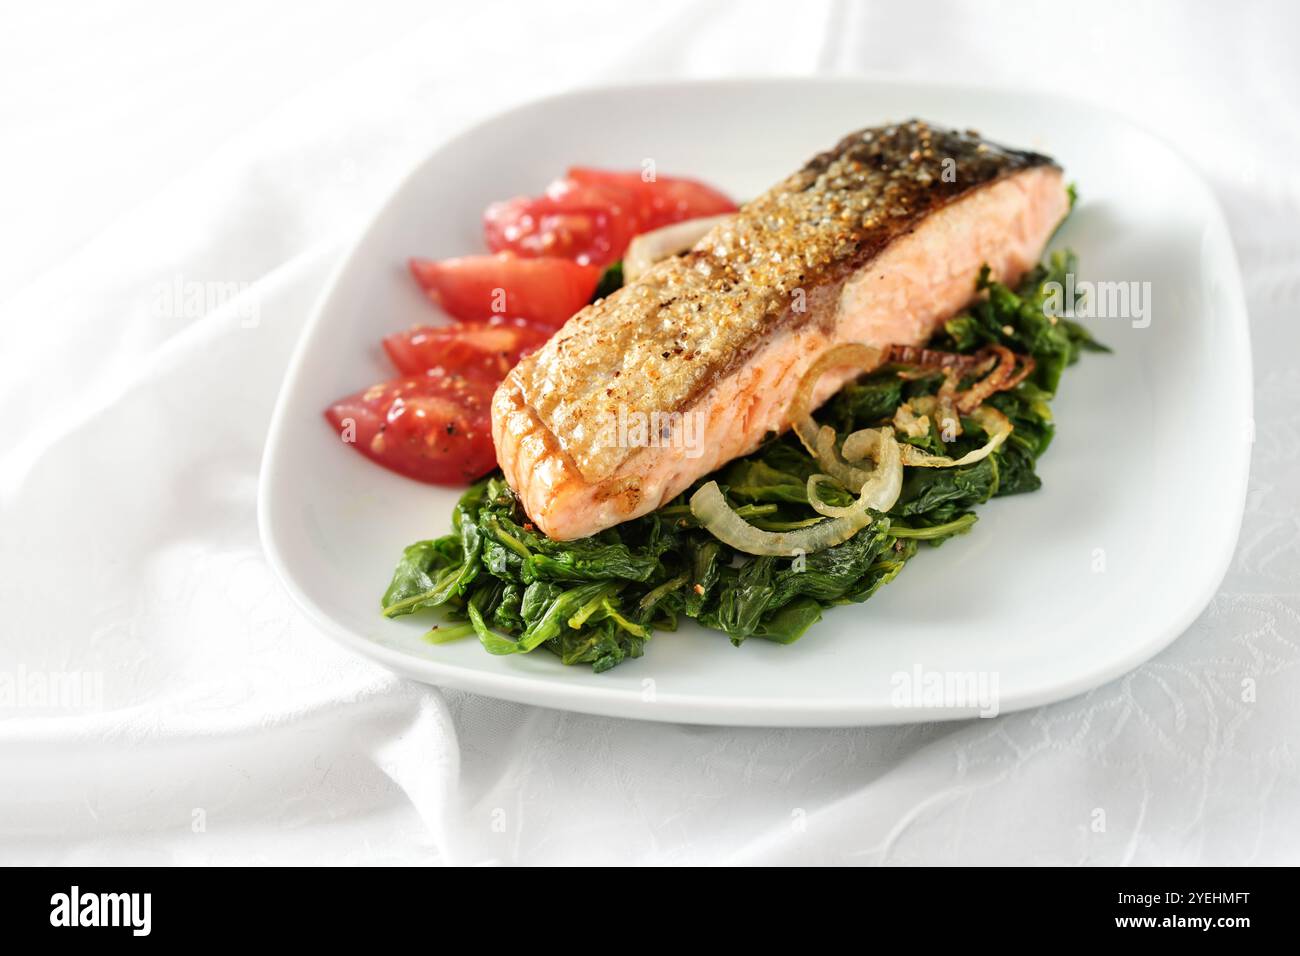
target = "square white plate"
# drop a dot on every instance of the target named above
(1051, 594)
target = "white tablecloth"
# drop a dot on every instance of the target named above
(149, 144)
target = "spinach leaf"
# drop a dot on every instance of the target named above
(423, 577)
(940, 494)
(868, 400)
(611, 280)
(753, 479)
(588, 561)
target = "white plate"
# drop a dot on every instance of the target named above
(1051, 594)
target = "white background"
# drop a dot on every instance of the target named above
(145, 143)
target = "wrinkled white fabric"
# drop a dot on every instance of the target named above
(147, 143)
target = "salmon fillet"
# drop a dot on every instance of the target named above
(878, 241)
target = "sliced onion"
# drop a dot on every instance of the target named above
(1001, 377)
(857, 447)
(912, 418)
(909, 420)
(883, 484)
(862, 444)
(844, 472)
(659, 244)
(994, 365)
(850, 354)
(879, 493)
(886, 483)
(841, 465)
(932, 359)
(945, 414)
(915, 418)
(994, 423)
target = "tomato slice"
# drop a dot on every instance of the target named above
(661, 201)
(486, 350)
(589, 226)
(591, 215)
(474, 288)
(435, 427)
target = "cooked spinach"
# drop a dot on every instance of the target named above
(598, 600)
(611, 280)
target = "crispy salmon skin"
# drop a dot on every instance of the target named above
(878, 240)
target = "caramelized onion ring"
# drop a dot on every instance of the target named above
(880, 493)
(863, 357)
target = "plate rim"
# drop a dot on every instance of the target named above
(731, 710)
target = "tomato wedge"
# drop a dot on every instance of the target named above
(475, 288)
(588, 226)
(435, 427)
(591, 215)
(486, 350)
(658, 202)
